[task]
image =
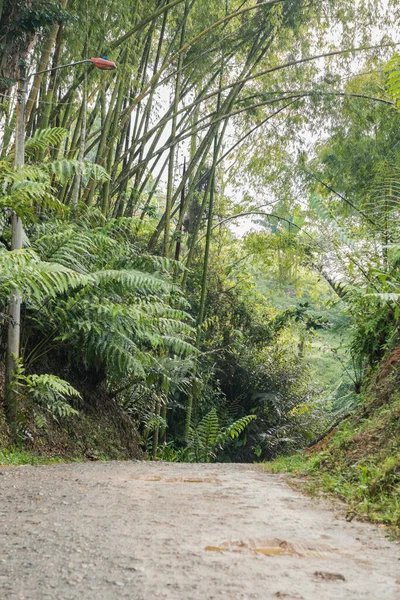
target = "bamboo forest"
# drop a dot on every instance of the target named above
(199, 256)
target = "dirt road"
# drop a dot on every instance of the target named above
(143, 531)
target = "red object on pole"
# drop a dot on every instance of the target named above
(102, 63)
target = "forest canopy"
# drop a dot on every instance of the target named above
(208, 240)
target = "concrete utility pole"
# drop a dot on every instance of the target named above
(14, 308)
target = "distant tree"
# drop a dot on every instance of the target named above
(20, 23)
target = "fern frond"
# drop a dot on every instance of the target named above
(323, 213)
(208, 429)
(132, 280)
(393, 79)
(240, 425)
(178, 346)
(40, 385)
(44, 139)
(46, 390)
(202, 440)
(65, 169)
(22, 270)
(125, 319)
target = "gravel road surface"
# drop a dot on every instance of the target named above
(143, 531)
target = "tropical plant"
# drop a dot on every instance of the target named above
(121, 314)
(43, 394)
(130, 275)
(33, 188)
(208, 439)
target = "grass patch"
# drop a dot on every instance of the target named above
(17, 456)
(24, 457)
(360, 464)
(295, 463)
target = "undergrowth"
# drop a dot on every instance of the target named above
(359, 462)
(16, 456)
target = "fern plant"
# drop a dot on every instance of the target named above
(32, 188)
(392, 70)
(209, 438)
(85, 289)
(88, 291)
(46, 391)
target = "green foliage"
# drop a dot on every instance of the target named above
(358, 464)
(152, 422)
(353, 184)
(45, 391)
(43, 140)
(293, 463)
(22, 457)
(322, 212)
(24, 271)
(208, 439)
(40, 13)
(31, 188)
(98, 304)
(249, 352)
(392, 69)
(169, 453)
(91, 296)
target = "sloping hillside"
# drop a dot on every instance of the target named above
(360, 460)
